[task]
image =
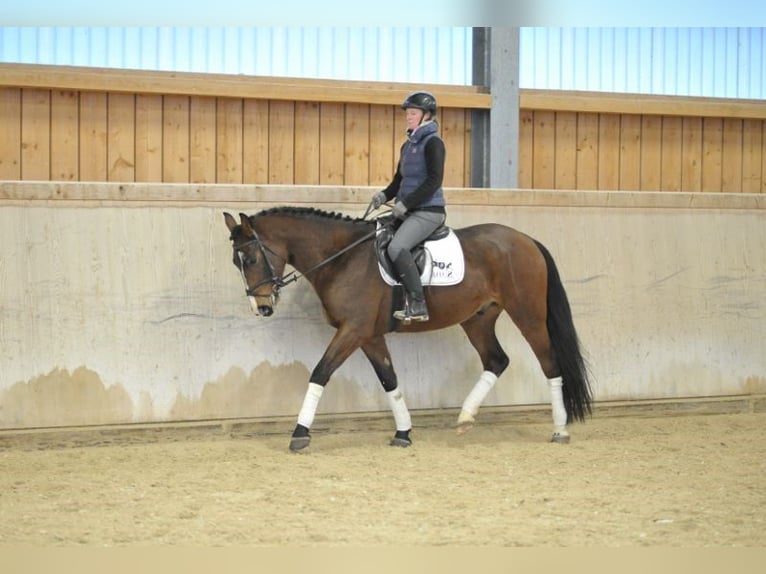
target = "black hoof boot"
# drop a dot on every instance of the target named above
(401, 438)
(300, 439)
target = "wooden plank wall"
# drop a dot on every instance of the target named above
(685, 150)
(71, 135)
(104, 125)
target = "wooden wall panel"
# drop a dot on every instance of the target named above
(691, 161)
(752, 155)
(399, 137)
(10, 127)
(203, 140)
(609, 151)
(731, 155)
(712, 153)
(356, 152)
(565, 164)
(175, 139)
(383, 143)
(630, 152)
(587, 151)
(93, 136)
(640, 152)
(121, 150)
(567, 140)
(65, 135)
(307, 143)
(281, 142)
(35, 134)
(453, 131)
(467, 161)
(526, 145)
(229, 146)
(149, 127)
(255, 146)
(763, 158)
(672, 153)
(331, 162)
(651, 153)
(544, 150)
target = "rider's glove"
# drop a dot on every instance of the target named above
(399, 210)
(378, 199)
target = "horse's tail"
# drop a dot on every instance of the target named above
(566, 344)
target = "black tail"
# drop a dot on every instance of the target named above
(566, 345)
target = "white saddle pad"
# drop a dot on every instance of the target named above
(445, 264)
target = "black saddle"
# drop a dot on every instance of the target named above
(386, 234)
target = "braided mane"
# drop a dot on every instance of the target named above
(310, 212)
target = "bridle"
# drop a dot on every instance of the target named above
(275, 280)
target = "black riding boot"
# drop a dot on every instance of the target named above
(415, 302)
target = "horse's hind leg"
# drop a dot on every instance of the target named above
(480, 330)
(535, 331)
(376, 351)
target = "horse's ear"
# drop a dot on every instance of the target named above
(231, 223)
(244, 220)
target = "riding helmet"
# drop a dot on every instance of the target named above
(421, 100)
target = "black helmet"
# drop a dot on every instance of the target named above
(421, 100)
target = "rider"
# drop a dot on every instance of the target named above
(417, 187)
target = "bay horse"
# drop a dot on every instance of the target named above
(505, 270)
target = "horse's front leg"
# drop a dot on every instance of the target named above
(345, 342)
(376, 351)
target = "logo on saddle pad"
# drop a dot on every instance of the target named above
(439, 259)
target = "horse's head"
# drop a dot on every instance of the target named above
(261, 267)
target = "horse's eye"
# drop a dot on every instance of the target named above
(242, 258)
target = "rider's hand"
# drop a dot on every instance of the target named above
(399, 210)
(378, 199)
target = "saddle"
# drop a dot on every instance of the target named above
(439, 258)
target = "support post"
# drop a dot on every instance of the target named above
(495, 137)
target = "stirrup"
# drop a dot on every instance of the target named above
(406, 315)
(420, 317)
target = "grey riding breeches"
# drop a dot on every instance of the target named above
(415, 228)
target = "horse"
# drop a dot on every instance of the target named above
(505, 270)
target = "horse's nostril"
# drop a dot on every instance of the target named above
(265, 311)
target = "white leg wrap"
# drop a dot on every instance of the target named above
(310, 403)
(399, 408)
(477, 395)
(557, 404)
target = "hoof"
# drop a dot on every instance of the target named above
(298, 443)
(401, 439)
(402, 442)
(560, 438)
(465, 422)
(300, 438)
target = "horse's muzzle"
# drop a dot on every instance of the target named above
(260, 309)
